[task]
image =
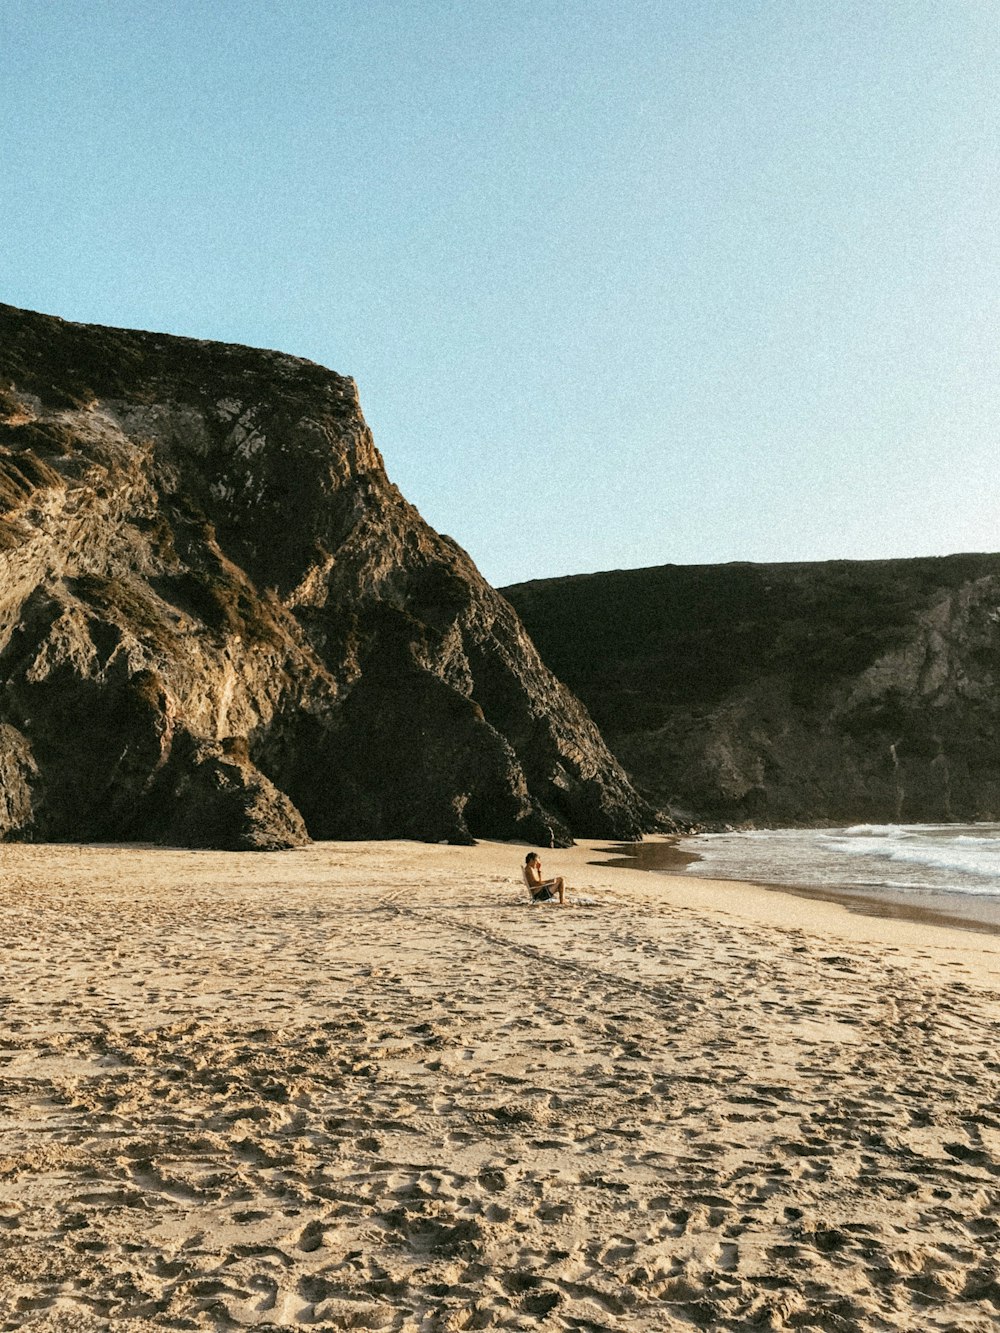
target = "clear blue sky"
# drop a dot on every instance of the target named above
(622, 282)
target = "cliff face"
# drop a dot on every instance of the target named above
(788, 694)
(221, 625)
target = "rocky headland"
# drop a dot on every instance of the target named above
(790, 693)
(221, 624)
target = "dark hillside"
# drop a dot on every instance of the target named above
(789, 693)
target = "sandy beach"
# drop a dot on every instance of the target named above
(366, 1085)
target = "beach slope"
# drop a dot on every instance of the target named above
(365, 1085)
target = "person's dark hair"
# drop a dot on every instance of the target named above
(532, 856)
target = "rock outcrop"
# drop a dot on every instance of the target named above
(789, 694)
(221, 625)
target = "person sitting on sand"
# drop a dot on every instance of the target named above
(542, 890)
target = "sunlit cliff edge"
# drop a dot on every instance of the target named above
(221, 625)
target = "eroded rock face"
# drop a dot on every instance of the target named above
(790, 694)
(221, 624)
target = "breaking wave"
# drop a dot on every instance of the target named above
(920, 859)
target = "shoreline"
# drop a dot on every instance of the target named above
(907, 935)
(665, 854)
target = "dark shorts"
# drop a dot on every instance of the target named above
(542, 895)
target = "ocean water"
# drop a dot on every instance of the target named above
(906, 869)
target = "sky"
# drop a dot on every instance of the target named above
(622, 282)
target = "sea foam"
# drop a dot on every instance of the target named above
(917, 859)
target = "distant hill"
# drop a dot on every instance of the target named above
(789, 693)
(221, 625)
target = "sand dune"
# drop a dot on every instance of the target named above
(366, 1086)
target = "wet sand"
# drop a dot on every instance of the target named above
(368, 1086)
(672, 855)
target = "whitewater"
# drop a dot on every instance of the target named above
(949, 869)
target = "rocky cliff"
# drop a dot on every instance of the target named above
(789, 694)
(221, 625)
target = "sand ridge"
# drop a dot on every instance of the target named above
(367, 1086)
